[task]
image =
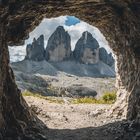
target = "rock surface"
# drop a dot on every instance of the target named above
(87, 49)
(118, 20)
(81, 121)
(70, 67)
(58, 49)
(105, 57)
(59, 46)
(36, 51)
(78, 80)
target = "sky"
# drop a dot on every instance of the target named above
(73, 25)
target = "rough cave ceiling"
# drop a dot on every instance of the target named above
(116, 19)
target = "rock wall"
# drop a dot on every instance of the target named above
(90, 57)
(14, 112)
(59, 46)
(119, 22)
(105, 57)
(87, 49)
(36, 51)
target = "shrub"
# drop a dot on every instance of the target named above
(109, 97)
(87, 100)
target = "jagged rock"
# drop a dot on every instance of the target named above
(105, 57)
(59, 46)
(87, 49)
(35, 51)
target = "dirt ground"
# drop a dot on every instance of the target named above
(79, 121)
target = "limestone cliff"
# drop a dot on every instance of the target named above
(59, 45)
(87, 49)
(106, 57)
(35, 51)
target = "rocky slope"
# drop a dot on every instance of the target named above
(76, 79)
(71, 67)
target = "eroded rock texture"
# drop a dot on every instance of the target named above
(119, 22)
(59, 45)
(105, 57)
(87, 49)
(36, 51)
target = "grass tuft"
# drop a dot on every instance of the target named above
(50, 99)
(107, 98)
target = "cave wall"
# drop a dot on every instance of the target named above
(119, 22)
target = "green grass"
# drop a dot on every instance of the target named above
(86, 100)
(50, 99)
(107, 98)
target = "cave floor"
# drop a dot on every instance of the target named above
(81, 121)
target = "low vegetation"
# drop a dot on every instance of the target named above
(50, 99)
(107, 98)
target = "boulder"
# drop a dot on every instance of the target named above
(59, 46)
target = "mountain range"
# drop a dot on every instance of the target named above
(87, 49)
(58, 60)
(87, 59)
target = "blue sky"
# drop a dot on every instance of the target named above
(71, 20)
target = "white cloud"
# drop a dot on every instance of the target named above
(48, 26)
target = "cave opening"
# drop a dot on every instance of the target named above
(121, 30)
(70, 64)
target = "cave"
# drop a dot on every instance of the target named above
(119, 22)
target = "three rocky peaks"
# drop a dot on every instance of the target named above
(86, 50)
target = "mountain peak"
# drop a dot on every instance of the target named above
(59, 45)
(35, 51)
(60, 29)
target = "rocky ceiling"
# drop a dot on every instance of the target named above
(118, 20)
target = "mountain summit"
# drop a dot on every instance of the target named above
(35, 51)
(87, 49)
(59, 45)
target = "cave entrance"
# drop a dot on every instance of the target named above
(117, 20)
(68, 62)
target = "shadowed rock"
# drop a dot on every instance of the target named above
(87, 49)
(105, 57)
(59, 47)
(35, 51)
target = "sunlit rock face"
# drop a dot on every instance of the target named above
(87, 49)
(105, 57)
(59, 46)
(35, 51)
